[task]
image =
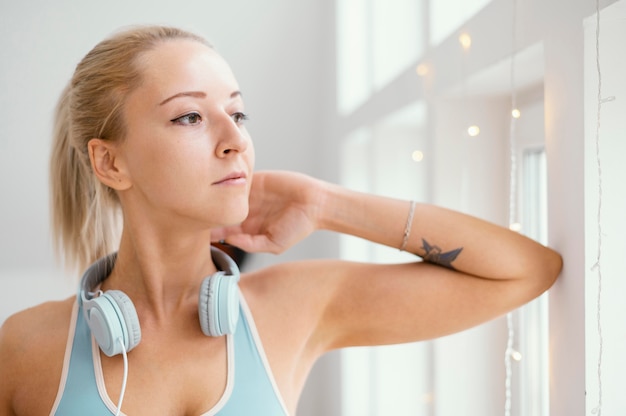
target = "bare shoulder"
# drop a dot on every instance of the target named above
(33, 342)
(304, 283)
(296, 295)
(46, 319)
(308, 282)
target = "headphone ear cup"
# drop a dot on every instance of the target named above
(228, 303)
(111, 317)
(218, 305)
(129, 314)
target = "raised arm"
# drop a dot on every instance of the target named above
(440, 236)
(472, 271)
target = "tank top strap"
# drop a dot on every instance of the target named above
(78, 389)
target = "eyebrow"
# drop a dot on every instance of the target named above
(197, 94)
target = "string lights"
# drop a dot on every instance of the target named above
(422, 70)
(417, 156)
(465, 40)
(473, 130)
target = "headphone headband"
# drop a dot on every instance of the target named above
(102, 268)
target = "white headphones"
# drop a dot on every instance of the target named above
(113, 320)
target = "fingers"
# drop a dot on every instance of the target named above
(253, 243)
(223, 233)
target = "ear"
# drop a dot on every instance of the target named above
(106, 164)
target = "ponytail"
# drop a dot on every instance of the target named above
(84, 212)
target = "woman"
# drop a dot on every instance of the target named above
(152, 129)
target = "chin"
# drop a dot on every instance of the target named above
(236, 215)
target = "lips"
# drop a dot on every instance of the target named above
(233, 178)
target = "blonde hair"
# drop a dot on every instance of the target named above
(85, 214)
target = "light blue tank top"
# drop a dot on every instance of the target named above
(250, 387)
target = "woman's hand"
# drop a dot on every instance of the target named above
(283, 211)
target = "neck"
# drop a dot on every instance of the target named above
(162, 275)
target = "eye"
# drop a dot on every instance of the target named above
(188, 119)
(239, 117)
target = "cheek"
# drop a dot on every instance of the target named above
(169, 169)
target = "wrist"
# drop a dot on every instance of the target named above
(323, 195)
(339, 209)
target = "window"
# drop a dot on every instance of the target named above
(397, 377)
(446, 16)
(376, 41)
(353, 57)
(532, 397)
(530, 383)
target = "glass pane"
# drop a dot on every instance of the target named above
(353, 69)
(533, 317)
(355, 381)
(398, 37)
(401, 380)
(446, 16)
(353, 174)
(382, 160)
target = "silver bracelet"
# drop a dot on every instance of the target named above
(407, 228)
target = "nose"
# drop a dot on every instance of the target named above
(231, 138)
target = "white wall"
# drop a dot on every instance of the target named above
(607, 283)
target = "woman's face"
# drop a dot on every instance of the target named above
(187, 152)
